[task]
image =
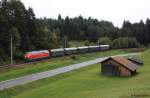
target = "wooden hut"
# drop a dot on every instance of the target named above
(118, 66)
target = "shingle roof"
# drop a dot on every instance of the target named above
(136, 60)
(125, 62)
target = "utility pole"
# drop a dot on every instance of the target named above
(11, 49)
(65, 41)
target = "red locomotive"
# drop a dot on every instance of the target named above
(34, 55)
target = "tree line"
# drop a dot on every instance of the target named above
(30, 33)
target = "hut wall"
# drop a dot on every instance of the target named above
(113, 68)
(125, 72)
(110, 68)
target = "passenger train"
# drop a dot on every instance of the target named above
(42, 54)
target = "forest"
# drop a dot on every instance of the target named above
(30, 33)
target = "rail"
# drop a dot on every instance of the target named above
(2, 67)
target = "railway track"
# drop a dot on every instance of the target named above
(55, 53)
(20, 64)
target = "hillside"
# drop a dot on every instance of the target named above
(52, 63)
(87, 83)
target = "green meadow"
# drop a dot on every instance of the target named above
(53, 63)
(87, 83)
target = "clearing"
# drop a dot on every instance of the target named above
(56, 63)
(87, 83)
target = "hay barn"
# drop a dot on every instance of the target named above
(118, 66)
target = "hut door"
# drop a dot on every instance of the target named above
(107, 69)
(115, 71)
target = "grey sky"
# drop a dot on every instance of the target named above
(111, 10)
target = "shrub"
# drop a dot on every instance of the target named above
(73, 57)
(148, 45)
(87, 43)
(104, 41)
(125, 42)
(3, 57)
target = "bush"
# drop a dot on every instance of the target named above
(3, 57)
(18, 55)
(148, 45)
(125, 42)
(104, 41)
(87, 43)
(73, 57)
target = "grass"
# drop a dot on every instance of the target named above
(87, 83)
(54, 63)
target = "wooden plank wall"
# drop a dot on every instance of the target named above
(113, 68)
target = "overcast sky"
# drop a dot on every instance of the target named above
(112, 10)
